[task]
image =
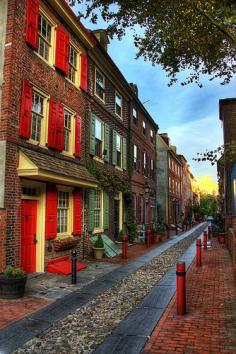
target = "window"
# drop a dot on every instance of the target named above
(144, 161)
(135, 156)
(73, 65)
(99, 85)
(135, 116)
(62, 212)
(118, 150)
(118, 105)
(67, 130)
(152, 168)
(37, 115)
(144, 127)
(151, 135)
(97, 209)
(45, 37)
(98, 137)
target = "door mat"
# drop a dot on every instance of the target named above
(63, 266)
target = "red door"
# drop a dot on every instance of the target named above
(28, 235)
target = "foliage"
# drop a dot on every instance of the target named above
(160, 227)
(221, 154)
(99, 242)
(220, 223)
(209, 205)
(197, 35)
(12, 272)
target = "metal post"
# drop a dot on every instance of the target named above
(205, 240)
(73, 264)
(124, 247)
(181, 288)
(198, 252)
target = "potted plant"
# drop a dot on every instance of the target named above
(98, 247)
(12, 283)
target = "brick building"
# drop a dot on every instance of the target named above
(65, 137)
(175, 186)
(187, 192)
(143, 145)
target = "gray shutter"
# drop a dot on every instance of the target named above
(91, 210)
(114, 155)
(124, 153)
(105, 210)
(107, 143)
(92, 134)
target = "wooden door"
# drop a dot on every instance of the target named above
(28, 235)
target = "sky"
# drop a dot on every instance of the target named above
(189, 114)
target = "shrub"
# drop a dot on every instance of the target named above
(99, 242)
(11, 272)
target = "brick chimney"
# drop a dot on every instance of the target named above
(134, 88)
(102, 37)
(165, 138)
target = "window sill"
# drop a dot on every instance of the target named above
(72, 83)
(100, 99)
(119, 168)
(67, 154)
(45, 61)
(96, 158)
(36, 143)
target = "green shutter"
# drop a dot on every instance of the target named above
(124, 153)
(105, 210)
(107, 143)
(114, 156)
(92, 134)
(91, 210)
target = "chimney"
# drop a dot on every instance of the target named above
(134, 88)
(102, 37)
(165, 138)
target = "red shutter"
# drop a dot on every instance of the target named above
(78, 207)
(51, 213)
(32, 18)
(78, 130)
(26, 109)
(56, 125)
(84, 72)
(62, 50)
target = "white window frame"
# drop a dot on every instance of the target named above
(118, 95)
(104, 85)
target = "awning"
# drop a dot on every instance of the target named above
(44, 167)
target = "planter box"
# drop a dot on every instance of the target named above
(66, 244)
(12, 288)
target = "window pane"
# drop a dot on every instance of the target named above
(67, 130)
(97, 209)
(100, 85)
(118, 104)
(62, 211)
(37, 115)
(98, 129)
(118, 143)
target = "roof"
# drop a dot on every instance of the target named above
(59, 166)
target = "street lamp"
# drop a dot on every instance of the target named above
(147, 190)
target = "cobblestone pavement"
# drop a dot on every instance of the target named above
(210, 323)
(84, 330)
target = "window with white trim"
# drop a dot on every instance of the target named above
(63, 212)
(37, 116)
(118, 150)
(73, 65)
(135, 116)
(99, 85)
(118, 104)
(144, 161)
(45, 37)
(135, 156)
(67, 130)
(144, 127)
(97, 209)
(151, 136)
(98, 138)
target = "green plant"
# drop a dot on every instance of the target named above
(99, 242)
(12, 272)
(160, 227)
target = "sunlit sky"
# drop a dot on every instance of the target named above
(189, 114)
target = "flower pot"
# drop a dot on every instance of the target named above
(221, 237)
(98, 252)
(12, 288)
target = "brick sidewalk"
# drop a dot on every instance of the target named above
(210, 323)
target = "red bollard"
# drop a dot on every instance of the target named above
(181, 289)
(205, 240)
(124, 247)
(198, 252)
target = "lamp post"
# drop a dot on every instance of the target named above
(148, 206)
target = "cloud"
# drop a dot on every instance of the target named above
(197, 136)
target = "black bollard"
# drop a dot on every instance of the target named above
(73, 264)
